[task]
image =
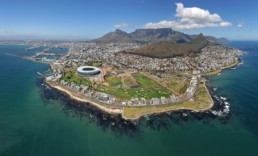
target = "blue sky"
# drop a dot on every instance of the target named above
(88, 19)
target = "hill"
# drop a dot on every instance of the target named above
(166, 49)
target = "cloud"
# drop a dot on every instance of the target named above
(190, 18)
(121, 25)
(240, 24)
(195, 14)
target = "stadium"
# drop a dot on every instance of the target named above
(87, 71)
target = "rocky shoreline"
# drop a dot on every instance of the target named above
(113, 110)
(117, 123)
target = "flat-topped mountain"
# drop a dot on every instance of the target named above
(166, 49)
(151, 36)
(155, 35)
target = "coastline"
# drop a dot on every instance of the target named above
(140, 112)
(236, 63)
(187, 105)
(173, 107)
(75, 97)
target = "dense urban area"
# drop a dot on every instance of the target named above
(133, 81)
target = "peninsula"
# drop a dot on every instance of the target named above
(138, 74)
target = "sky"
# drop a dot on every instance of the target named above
(89, 19)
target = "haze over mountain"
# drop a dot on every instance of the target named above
(152, 36)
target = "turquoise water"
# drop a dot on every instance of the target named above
(38, 121)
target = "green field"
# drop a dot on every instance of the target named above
(128, 81)
(178, 85)
(70, 77)
(113, 81)
(202, 101)
(150, 86)
(202, 95)
(147, 88)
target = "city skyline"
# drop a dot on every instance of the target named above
(85, 20)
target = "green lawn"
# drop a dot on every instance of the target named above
(202, 101)
(70, 76)
(148, 89)
(128, 81)
(178, 85)
(113, 80)
(212, 72)
(137, 112)
(150, 86)
(118, 92)
(202, 95)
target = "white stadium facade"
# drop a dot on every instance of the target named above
(87, 71)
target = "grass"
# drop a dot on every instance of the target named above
(148, 89)
(202, 95)
(129, 81)
(137, 112)
(113, 81)
(150, 86)
(232, 65)
(178, 85)
(96, 64)
(117, 92)
(212, 72)
(70, 77)
(202, 101)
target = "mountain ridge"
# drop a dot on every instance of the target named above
(145, 36)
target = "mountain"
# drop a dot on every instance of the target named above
(145, 36)
(221, 40)
(166, 49)
(115, 37)
(213, 39)
(162, 34)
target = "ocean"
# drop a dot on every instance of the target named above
(37, 120)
